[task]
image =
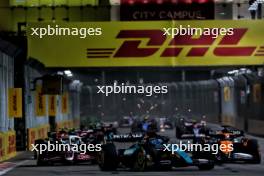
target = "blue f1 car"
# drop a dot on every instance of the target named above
(148, 152)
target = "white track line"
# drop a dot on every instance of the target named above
(13, 167)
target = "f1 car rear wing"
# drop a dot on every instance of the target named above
(226, 134)
(130, 137)
(191, 136)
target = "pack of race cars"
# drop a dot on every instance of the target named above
(71, 146)
(148, 152)
(143, 148)
(244, 148)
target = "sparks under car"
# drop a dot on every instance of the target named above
(148, 153)
(244, 148)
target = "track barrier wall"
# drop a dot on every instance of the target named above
(37, 133)
(7, 145)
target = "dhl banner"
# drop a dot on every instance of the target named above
(37, 3)
(2, 147)
(11, 141)
(52, 105)
(227, 94)
(7, 145)
(15, 102)
(32, 136)
(39, 132)
(64, 103)
(146, 44)
(40, 102)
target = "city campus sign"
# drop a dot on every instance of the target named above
(167, 12)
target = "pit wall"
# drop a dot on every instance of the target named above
(63, 112)
(7, 133)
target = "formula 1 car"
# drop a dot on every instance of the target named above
(165, 124)
(145, 125)
(148, 152)
(136, 126)
(185, 127)
(244, 148)
(125, 122)
(62, 151)
(97, 132)
(110, 126)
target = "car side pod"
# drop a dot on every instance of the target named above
(204, 164)
(243, 156)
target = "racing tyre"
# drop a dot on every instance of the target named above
(40, 161)
(94, 162)
(208, 166)
(140, 161)
(38, 142)
(254, 148)
(164, 168)
(256, 159)
(107, 158)
(178, 133)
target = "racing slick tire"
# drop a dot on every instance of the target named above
(107, 158)
(178, 133)
(140, 161)
(94, 162)
(163, 167)
(208, 166)
(40, 161)
(253, 147)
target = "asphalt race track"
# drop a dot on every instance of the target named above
(29, 168)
